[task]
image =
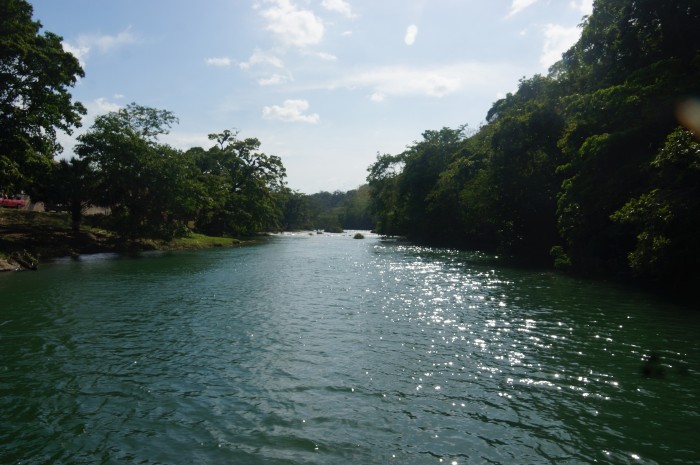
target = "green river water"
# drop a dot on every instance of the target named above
(322, 349)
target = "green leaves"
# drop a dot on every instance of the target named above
(575, 166)
(154, 190)
(35, 75)
(666, 218)
(244, 186)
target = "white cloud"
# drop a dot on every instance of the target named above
(78, 52)
(557, 40)
(322, 55)
(346, 33)
(339, 6)
(377, 97)
(519, 5)
(293, 26)
(411, 33)
(106, 43)
(86, 43)
(262, 58)
(185, 140)
(291, 111)
(584, 6)
(431, 81)
(273, 70)
(101, 106)
(273, 80)
(326, 56)
(223, 62)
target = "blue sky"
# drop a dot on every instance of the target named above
(324, 84)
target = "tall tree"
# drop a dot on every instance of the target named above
(423, 163)
(247, 187)
(150, 187)
(35, 75)
(297, 214)
(522, 168)
(383, 180)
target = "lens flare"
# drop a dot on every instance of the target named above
(688, 114)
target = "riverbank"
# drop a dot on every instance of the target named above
(27, 238)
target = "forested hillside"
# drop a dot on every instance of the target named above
(594, 167)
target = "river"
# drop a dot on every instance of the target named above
(322, 349)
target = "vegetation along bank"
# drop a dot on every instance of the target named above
(594, 167)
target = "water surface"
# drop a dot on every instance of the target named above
(321, 349)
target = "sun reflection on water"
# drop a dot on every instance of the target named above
(498, 343)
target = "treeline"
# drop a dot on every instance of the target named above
(154, 190)
(593, 167)
(331, 211)
(149, 188)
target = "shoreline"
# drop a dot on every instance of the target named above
(28, 238)
(25, 261)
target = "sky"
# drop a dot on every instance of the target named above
(326, 85)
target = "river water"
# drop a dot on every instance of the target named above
(322, 349)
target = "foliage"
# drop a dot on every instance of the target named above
(35, 74)
(401, 185)
(382, 181)
(154, 190)
(336, 211)
(666, 217)
(147, 185)
(576, 167)
(244, 188)
(296, 214)
(69, 186)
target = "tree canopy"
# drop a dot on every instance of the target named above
(588, 167)
(35, 76)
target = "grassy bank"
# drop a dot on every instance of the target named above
(49, 235)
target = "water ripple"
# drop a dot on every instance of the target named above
(323, 349)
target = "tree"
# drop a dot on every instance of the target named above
(383, 184)
(623, 80)
(401, 186)
(666, 218)
(297, 214)
(246, 187)
(35, 75)
(579, 162)
(150, 187)
(355, 212)
(465, 193)
(514, 194)
(423, 163)
(68, 186)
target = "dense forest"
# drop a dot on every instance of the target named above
(594, 167)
